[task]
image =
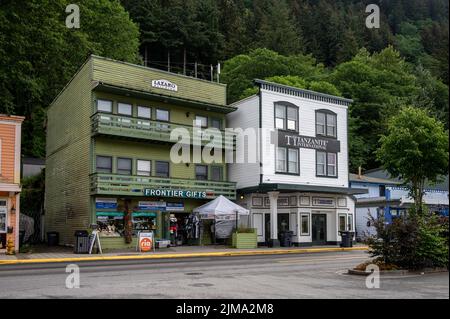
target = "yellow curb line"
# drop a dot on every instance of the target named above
(185, 255)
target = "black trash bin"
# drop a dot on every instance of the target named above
(81, 242)
(21, 237)
(347, 238)
(286, 238)
(53, 238)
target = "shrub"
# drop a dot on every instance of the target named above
(411, 242)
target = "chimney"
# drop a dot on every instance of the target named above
(360, 172)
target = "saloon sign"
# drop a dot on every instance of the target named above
(288, 139)
(165, 85)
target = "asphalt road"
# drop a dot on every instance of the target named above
(318, 275)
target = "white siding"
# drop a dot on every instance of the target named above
(246, 116)
(307, 113)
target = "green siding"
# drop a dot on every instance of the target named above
(68, 156)
(140, 78)
(145, 151)
(178, 114)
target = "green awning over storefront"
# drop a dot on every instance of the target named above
(109, 213)
(141, 213)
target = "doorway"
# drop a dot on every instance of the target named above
(319, 228)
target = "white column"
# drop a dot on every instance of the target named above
(273, 199)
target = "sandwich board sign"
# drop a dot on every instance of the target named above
(146, 242)
(94, 238)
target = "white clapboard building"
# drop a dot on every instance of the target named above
(300, 181)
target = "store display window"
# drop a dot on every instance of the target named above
(143, 221)
(110, 224)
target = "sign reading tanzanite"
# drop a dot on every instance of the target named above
(288, 139)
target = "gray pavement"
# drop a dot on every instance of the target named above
(318, 275)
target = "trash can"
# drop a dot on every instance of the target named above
(81, 242)
(286, 238)
(21, 237)
(52, 238)
(347, 238)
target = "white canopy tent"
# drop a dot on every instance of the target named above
(225, 214)
(221, 208)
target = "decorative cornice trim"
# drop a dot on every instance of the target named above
(306, 94)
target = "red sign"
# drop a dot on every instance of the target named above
(145, 242)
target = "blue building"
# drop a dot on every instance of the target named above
(389, 198)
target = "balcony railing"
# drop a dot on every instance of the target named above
(125, 126)
(112, 184)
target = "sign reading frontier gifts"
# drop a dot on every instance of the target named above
(181, 193)
(288, 139)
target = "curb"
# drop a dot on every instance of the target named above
(180, 255)
(398, 272)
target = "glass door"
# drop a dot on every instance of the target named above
(3, 215)
(319, 228)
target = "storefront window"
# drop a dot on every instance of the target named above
(201, 172)
(143, 221)
(110, 224)
(104, 164)
(216, 173)
(3, 212)
(143, 167)
(124, 166)
(305, 225)
(350, 222)
(342, 222)
(162, 169)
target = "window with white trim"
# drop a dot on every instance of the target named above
(287, 160)
(286, 117)
(326, 164)
(326, 123)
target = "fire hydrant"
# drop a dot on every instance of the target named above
(10, 247)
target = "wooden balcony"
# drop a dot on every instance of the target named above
(142, 129)
(122, 185)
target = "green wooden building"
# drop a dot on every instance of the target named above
(108, 146)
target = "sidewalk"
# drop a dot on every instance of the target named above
(43, 254)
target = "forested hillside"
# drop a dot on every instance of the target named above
(321, 45)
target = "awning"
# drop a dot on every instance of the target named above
(266, 187)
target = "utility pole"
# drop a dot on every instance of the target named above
(218, 72)
(168, 61)
(195, 69)
(184, 61)
(212, 73)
